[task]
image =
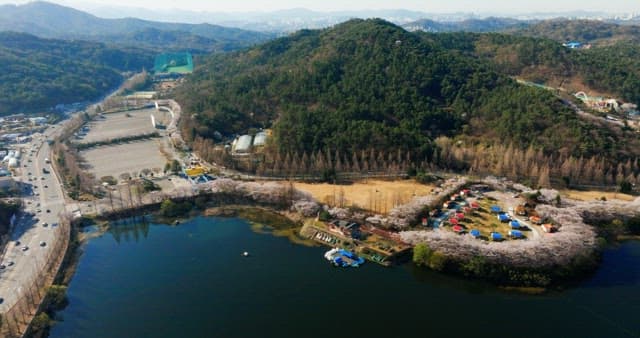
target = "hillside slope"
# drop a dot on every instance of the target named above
(611, 70)
(40, 73)
(367, 84)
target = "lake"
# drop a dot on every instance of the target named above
(192, 281)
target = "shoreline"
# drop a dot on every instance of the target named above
(261, 220)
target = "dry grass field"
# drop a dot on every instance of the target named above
(374, 195)
(116, 125)
(595, 195)
(125, 158)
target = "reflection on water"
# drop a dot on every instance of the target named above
(129, 229)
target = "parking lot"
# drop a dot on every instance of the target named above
(129, 158)
(122, 124)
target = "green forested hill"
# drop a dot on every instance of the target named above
(369, 87)
(370, 84)
(40, 73)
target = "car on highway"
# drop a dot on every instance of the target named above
(48, 210)
(46, 186)
(42, 243)
(11, 263)
(2, 266)
(24, 248)
(43, 178)
(45, 224)
(39, 210)
(17, 243)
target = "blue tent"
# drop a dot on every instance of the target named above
(515, 234)
(475, 233)
(496, 236)
(503, 218)
(515, 224)
(495, 209)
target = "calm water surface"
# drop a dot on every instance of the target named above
(191, 281)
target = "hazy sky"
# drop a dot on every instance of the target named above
(502, 6)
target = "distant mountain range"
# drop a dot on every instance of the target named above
(54, 21)
(281, 21)
(469, 25)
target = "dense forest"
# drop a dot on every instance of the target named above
(369, 86)
(40, 73)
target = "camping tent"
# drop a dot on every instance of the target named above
(515, 224)
(495, 209)
(515, 234)
(475, 233)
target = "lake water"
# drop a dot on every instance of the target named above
(192, 281)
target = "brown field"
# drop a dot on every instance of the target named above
(374, 195)
(595, 195)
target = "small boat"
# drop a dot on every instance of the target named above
(245, 254)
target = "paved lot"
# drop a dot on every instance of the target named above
(125, 158)
(116, 125)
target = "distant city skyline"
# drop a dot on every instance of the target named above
(468, 6)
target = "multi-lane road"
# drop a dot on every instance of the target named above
(26, 252)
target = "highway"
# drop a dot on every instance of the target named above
(44, 201)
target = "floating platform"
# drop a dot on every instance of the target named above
(343, 258)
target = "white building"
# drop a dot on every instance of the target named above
(260, 139)
(243, 144)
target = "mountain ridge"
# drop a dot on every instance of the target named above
(50, 20)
